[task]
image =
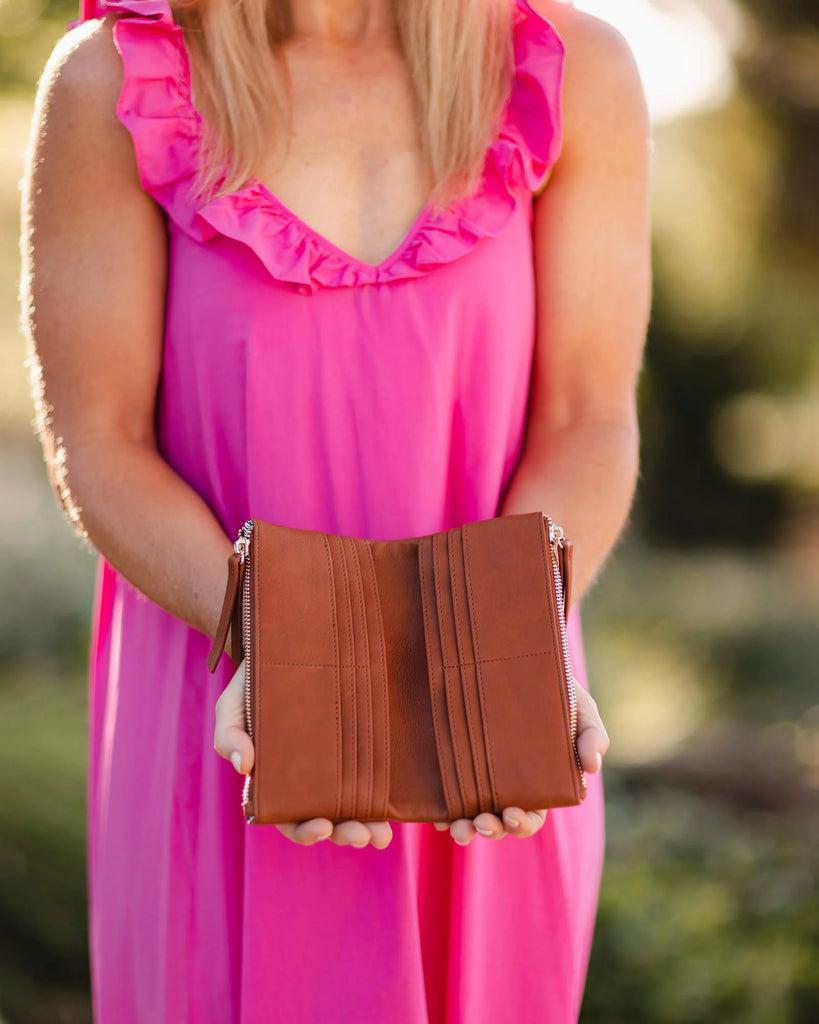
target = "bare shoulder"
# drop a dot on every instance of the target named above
(602, 89)
(75, 121)
(595, 50)
(86, 59)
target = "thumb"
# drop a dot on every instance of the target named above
(592, 737)
(237, 747)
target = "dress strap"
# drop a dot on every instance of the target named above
(91, 9)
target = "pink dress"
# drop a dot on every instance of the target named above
(305, 387)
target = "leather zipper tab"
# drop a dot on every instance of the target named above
(228, 611)
(565, 549)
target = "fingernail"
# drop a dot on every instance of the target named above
(484, 832)
(360, 846)
(236, 760)
(599, 760)
(511, 821)
(538, 819)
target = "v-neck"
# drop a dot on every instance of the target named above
(157, 106)
(326, 243)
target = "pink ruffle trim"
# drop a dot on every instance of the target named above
(155, 106)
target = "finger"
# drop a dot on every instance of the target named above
(380, 833)
(462, 831)
(230, 740)
(592, 738)
(489, 826)
(307, 832)
(230, 705)
(442, 826)
(522, 823)
(351, 833)
(235, 745)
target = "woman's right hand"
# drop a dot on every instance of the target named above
(230, 739)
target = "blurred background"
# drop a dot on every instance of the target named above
(702, 635)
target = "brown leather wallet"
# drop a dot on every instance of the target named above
(420, 679)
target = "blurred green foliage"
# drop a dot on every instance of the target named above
(702, 638)
(28, 30)
(706, 915)
(43, 958)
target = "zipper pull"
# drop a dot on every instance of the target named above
(565, 551)
(235, 564)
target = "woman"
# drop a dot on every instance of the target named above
(408, 291)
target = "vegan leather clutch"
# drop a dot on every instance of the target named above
(420, 679)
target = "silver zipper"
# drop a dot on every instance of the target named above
(242, 548)
(556, 538)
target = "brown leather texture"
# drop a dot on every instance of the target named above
(421, 679)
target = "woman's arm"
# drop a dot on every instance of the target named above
(95, 266)
(592, 276)
(593, 280)
(93, 292)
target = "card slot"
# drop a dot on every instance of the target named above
(364, 711)
(470, 671)
(453, 679)
(331, 596)
(524, 697)
(379, 688)
(437, 683)
(485, 743)
(346, 673)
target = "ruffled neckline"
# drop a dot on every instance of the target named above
(156, 106)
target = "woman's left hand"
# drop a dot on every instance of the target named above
(592, 744)
(231, 741)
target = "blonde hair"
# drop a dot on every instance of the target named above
(459, 57)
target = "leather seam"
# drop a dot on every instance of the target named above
(457, 664)
(481, 693)
(385, 684)
(505, 657)
(470, 716)
(428, 638)
(351, 647)
(368, 735)
(309, 664)
(336, 666)
(436, 574)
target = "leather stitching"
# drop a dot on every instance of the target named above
(456, 664)
(337, 666)
(461, 662)
(425, 595)
(383, 653)
(455, 747)
(481, 693)
(350, 724)
(310, 664)
(368, 734)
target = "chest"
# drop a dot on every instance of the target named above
(350, 166)
(358, 390)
